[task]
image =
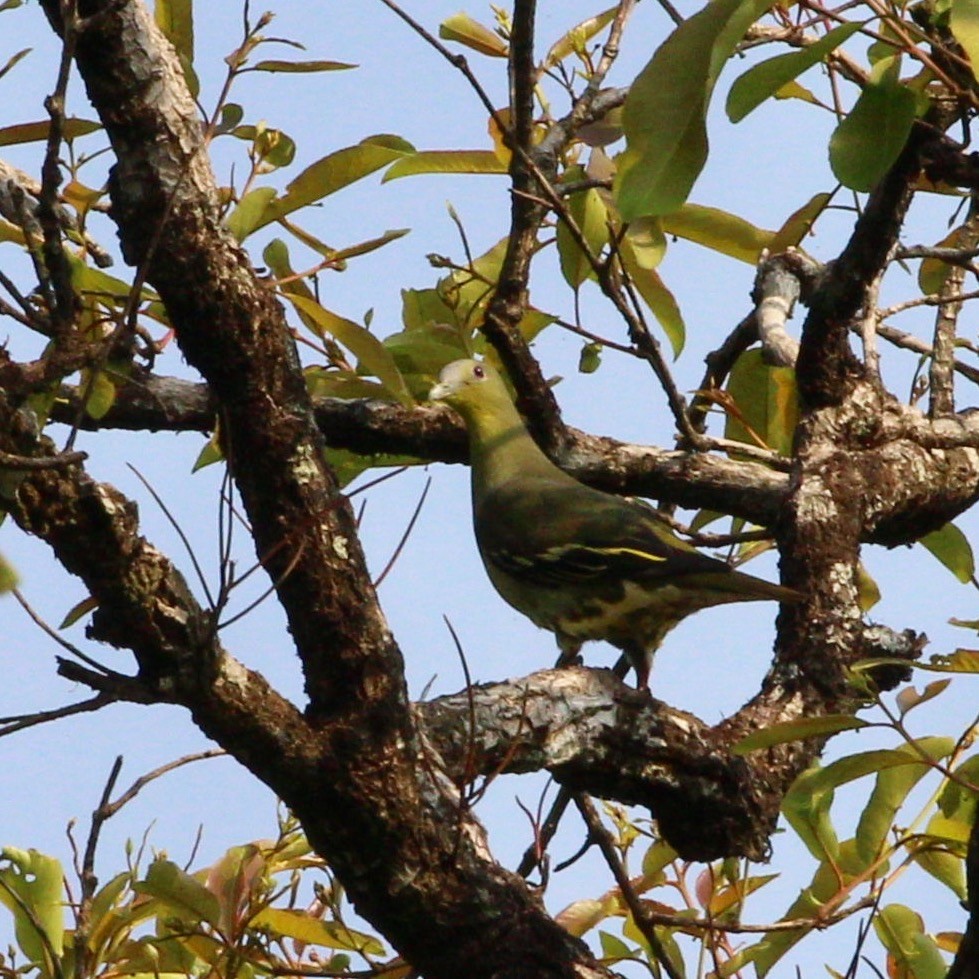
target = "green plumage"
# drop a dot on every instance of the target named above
(582, 563)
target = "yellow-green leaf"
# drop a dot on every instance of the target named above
(767, 400)
(665, 114)
(953, 549)
(765, 79)
(588, 212)
(719, 230)
(30, 887)
(301, 67)
(101, 393)
(446, 161)
(804, 727)
(305, 928)
(579, 35)
(249, 213)
(82, 608)
(337, 170)
(372, 355)
(902, 932)
(470, 33)
(176, 19)
(182, 894)
(655, 294)
(34, 132)
(869, 139)
(964, 24)
(798, 224)
(8, 577)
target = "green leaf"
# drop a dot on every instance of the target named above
(8, 577)
(13, 60)
(964, 24)
(101, 393)
(372, 355)
(300, 67)
(803, 727)
(210, 454)
(470, 33)
(35, 132)
(656, 296)
(869, 139)
(768, 401)
(588, 211)
(902, 932)
(909, 698)
(647, 241)
(765, 79)
(933, 854)
(719, 230)
(799, 224)
(665, 114)
(305, 928)
(579, 35)
(590, 358)
(176, 19)
(446, 161)
(892, 786)
(806, 806)
(952, 548)
(186, 897)
(77, 611)
(249, 213)
(334, 172)
(30, 887)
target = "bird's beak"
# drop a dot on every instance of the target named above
(440, 391)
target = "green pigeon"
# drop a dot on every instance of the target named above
(579, 562)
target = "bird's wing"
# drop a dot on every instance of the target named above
(567, 533)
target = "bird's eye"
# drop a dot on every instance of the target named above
(479, 372)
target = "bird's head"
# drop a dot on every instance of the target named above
(474, 389)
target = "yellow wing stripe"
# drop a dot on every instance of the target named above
(645, 555)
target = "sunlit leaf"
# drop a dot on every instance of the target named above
(798, 224)
(176, 19)
(186, 897)
(13, 60)
(964, 24)
(35, 132)
(590, 358)
(940, 857)
(249, 213)
(210, 454)
(647, 241)
(763, 80)
(446, 161)
(961, 661)
(719, 230)
(581, 916)
(803, 727)
(305, 928)
(579, 35)
(952, 548)
(369, 351)
(656, 296)
(767, 400)
(933, 271)
(895, 780)
(665, 114)
(901, 931)
(588, 212)
(868, 592)
(806, 807)
(470, 33)
(100, 393)
(8, 577)
(31, 890)
(869, 139)
(300, 67)
(337, 170)
(78, 611)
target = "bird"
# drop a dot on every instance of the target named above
(579, 562)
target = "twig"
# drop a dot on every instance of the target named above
(601, 837)
(62, 460)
